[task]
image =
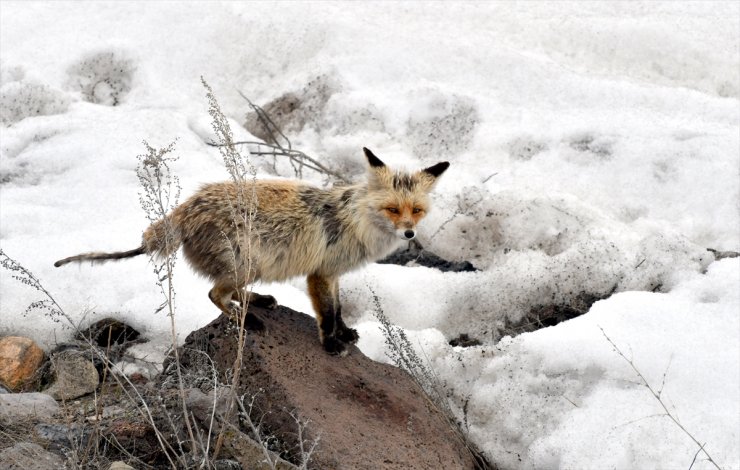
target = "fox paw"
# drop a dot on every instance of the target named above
(335, 347)
(348, 335)
(264, 301)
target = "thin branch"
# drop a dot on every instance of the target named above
(295, 156)
(660, 400)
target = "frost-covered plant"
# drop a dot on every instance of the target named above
(403, 354)
(49, 305)
(102, 78)
(244, 175)
(27, 98)
(159, 195)
(248, 417)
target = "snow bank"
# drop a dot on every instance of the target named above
(594, 148)
(562, 397)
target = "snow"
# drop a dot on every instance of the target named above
(594, 148)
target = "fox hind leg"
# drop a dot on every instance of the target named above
(258, 300)
(222, 295)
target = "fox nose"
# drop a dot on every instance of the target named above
(409, 234)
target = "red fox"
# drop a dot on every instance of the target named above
(297, 230)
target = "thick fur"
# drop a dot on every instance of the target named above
(296, 230)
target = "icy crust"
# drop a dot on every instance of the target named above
(562, 397)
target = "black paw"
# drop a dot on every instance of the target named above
(348, 335)
(334, 346)
(264, 301)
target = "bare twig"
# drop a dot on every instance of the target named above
(275, 148)
(295, 156)
(660, 400)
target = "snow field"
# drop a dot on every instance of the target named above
(594, 148)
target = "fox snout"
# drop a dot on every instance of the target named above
(404, 221)
(406, 233)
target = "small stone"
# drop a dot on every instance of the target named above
(23, 405)
(25, 455)
(107, 412)
(75, 375)
(120, 466)
(20, 358)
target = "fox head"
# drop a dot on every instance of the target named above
(399, 200)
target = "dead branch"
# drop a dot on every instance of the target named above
(657, 396)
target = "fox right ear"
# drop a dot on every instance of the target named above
(374, 161)
(437, 169)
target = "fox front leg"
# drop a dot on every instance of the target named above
(323, 297)
(343, 332)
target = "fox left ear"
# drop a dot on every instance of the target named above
(374, 161)
(436, 170)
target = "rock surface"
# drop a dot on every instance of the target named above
(75, 375)
(26, 455)
(20, 358)
(415, 255)
(15, 406)
(365, 415)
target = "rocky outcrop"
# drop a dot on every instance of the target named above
(74, 373)
(360, 413)
(20, 359)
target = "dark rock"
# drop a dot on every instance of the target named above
(63, 436)
(718, 255)
(415, 255)
(108, 332)
(26, 455)
(363, 414)
(542, 316)
(465, 341)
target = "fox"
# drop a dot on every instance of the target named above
(296, 230)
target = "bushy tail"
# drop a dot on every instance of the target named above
(161, 239)
(101, 257)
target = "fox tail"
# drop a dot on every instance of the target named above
(160, 239)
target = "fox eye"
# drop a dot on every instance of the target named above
(392, 210)
(416, 210)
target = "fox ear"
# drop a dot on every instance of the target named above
(374, 161)
(436, 170)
